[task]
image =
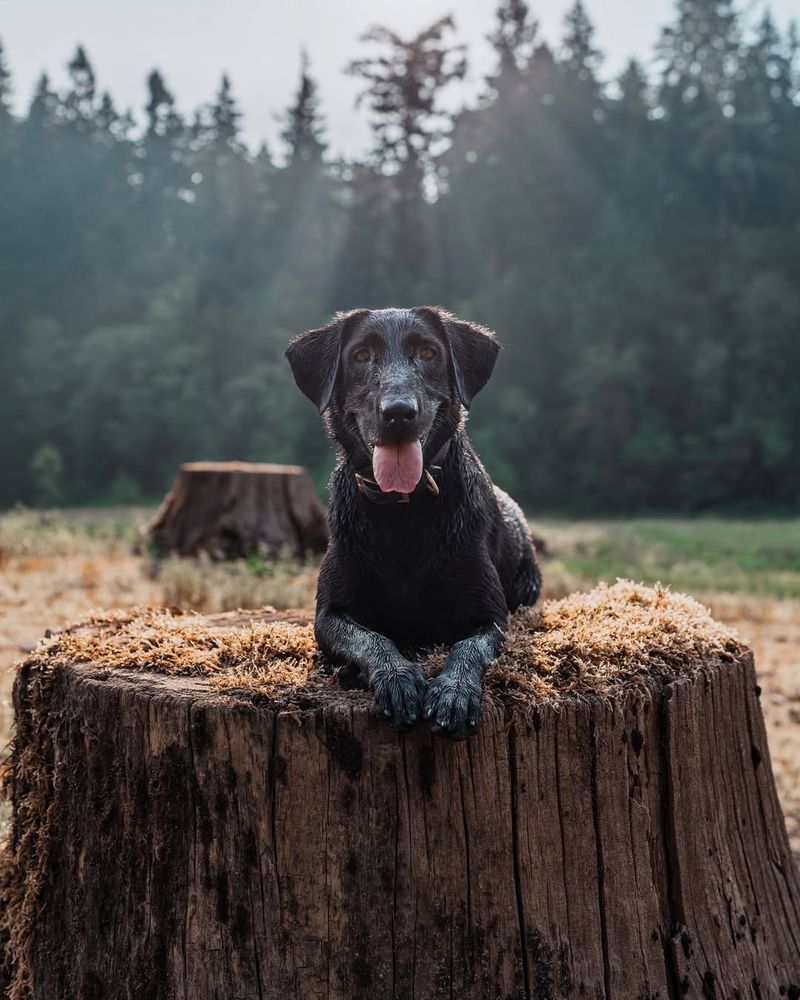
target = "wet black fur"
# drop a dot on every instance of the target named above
(399, 578)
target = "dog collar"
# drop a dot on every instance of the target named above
(370, 489)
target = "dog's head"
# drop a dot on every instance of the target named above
(393, 384)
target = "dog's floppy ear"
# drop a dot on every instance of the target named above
(314, 358)
(473, 350)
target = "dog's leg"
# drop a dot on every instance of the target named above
(453, 699)
(397, 684)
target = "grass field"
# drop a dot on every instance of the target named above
(56, 566)
(701, 555)
(704, 555)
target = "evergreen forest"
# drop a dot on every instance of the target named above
(635, 243)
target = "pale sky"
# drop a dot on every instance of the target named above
(258, 43)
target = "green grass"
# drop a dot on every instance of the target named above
(695, 555)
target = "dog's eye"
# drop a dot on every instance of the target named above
(362, 354)
(427, 353)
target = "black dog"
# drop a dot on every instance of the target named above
(424, 549)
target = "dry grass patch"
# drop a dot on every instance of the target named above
(205, 585)
(48, 533)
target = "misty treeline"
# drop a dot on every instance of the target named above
(635, 243)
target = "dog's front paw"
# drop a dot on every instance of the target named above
(453, 705)
(399, 690)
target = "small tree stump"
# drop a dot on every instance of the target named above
(249, 829)
(234, 509)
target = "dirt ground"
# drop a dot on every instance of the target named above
(40, 592)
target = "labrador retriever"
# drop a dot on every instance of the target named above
(425, 550)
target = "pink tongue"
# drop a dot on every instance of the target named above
(397, 467)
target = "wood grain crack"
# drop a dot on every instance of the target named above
(598, 839)
(512, 767)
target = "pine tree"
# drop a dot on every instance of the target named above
(477, 130)
(513, 39)
(44, 103)
(633, 90)
(112, 123)
(403, 85)
(579, 105)
(162, 183)
(542, 73)
(579, 55)
(5, 91)
(162, 118)
(698, 53)
(630, 133)
(404, 82)
(79, 102)
(12, 183)
(303, 126)
(766, 135)
(765, 84)
(222, 129)
(9, 160)
(577, 95)
(164, 146)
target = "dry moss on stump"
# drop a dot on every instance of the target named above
(618, 800)
(588, 643)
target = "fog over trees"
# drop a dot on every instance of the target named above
(635, 243)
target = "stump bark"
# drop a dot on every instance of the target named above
(234, 509)
(178, 840)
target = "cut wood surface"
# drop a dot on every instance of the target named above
(200, 812)
(235, 509)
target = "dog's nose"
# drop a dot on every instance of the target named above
(398, 410)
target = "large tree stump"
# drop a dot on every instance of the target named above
(249, 829)
(234, 509)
